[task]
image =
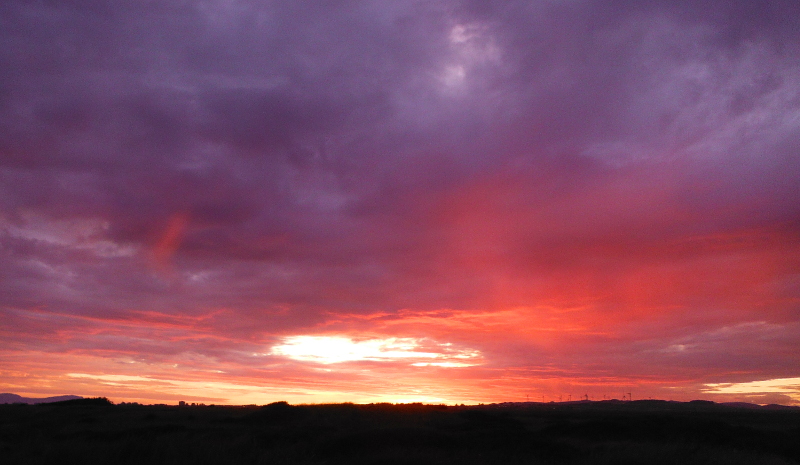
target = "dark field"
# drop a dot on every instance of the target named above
(92, 431)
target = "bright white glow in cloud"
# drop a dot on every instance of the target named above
(788, 386)
(337, 349)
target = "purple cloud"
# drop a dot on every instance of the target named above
(293, 166)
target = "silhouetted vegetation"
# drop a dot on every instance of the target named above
(653, 432)
(95, 401)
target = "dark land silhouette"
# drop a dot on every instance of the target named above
(7, 398)
(95, 431)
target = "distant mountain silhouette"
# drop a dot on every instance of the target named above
(8, 398)
(741, 405)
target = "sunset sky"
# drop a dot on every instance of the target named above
(241, 202)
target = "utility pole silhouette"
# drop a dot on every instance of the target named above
(586, 397)
(630, 397)
(570, 397)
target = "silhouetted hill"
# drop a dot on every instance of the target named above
(8, 398)
(92, 401)
(578, 433)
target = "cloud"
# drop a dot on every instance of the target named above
(787, 386)
(551, 184)
(338, 349)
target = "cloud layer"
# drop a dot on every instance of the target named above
(579, 191)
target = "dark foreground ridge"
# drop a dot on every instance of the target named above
(610, 432)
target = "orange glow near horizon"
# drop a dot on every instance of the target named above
(474, 368)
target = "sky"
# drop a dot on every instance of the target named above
(241, 202)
